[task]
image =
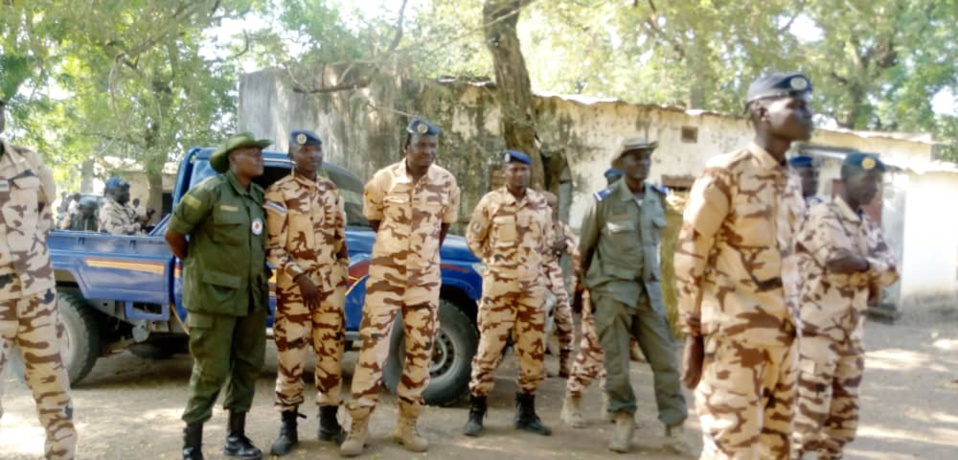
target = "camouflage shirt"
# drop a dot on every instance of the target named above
(833, 305)
(734, 263)
(512, 237)
(118, 219)
(27, 190)
(306, 224)
(411, 215)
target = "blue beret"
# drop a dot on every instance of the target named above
(864, 161)
(515, 156)
(304, 137)
(803, 161)
(612, 172)
(791, 84)
(420, 126)
(116, 182)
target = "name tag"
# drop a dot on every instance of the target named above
(4, 185)
(228, 208)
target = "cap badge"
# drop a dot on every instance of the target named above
(422, 128)
(868, 164)
(798, 83)
(301, 139)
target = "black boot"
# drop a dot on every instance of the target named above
(477, 412)
(237, 444)
(193, 442)
(329, 427)
(526, 418)
(288, 436)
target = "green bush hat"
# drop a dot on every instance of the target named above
(220, 158)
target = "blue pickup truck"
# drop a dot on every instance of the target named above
(125, 292)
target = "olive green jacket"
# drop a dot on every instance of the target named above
(225, 267)
(625, 238)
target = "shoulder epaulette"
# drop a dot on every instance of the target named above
(603, 194)
(660, 188)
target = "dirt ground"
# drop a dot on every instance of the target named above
(130, 408)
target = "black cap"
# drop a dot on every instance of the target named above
(864, 162)
(793, 84)
(420, 126)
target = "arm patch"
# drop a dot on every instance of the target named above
(275, 207)
(191, 201)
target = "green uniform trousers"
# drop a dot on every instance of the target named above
(616, 321)
(224, 346)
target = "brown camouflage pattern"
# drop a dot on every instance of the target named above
(306, 228)
(831, 352)
(556, 283)
(510, 237)
(118, 219)
(737, 285)
(29, 318)
(590, 361)
(404, 277)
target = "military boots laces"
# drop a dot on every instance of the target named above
(237, 444)
(526, 418)
(288, 433)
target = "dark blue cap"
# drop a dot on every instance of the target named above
(803, 161)
(612, 172)
(792, 84)
(864, 161)
(304, 137)
(421, 127)
(116, 182)
(515, 156)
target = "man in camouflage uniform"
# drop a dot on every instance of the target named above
(564, 243)
(808, 170)
(737, 280)
(619, 244)
(410, 205)
(28, 308)
(306, 224)
(225, 290)
(85, 218)
(510, 231)
(844, 262)
(116, 216)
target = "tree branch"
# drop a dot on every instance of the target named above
(398, 37)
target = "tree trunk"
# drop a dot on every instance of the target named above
(155, 200)
(86, 176)
(500, 18)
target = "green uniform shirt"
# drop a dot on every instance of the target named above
(626, 240)
(225, 268)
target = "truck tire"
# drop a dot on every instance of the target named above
(456, 343)
(160, 349)
(80, 345)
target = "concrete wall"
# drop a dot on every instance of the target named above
(930, 265)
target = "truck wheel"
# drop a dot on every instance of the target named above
(159, 349)
(456, 343)
(80, 345)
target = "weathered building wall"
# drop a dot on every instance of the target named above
(361, 113)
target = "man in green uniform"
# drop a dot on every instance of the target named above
(620, 266)
(226, 290)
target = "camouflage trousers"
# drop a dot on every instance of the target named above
(295, 328)
(826, 417)
(745, 398)
(510, 308)
(419, 306)
(590, 361)
(565, 326)
(32, 325)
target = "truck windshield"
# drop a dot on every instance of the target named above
(350, 187)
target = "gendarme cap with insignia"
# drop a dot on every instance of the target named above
(304, 137)
(116, 182)
(515, 156)
(612, 172)
(420, 126)
(636, 143)
(779, 84)
(220, 160)
(804, 161)
(864, 162)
